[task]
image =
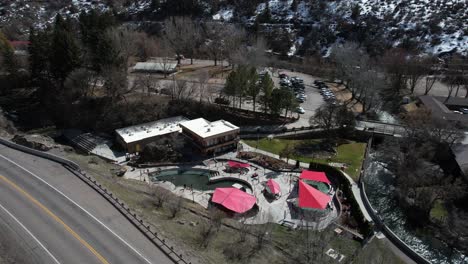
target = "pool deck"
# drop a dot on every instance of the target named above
(277, 210)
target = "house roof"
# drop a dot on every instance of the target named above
(311, 198)
(440, 110)
(453, 101)
(461, 156)
(151, 129)
(205, 129)
(155, 66)
(19, 43)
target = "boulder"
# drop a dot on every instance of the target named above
(34, 141)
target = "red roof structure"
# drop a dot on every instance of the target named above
(235, 164)
(311, 198)
(234, 199)
(19, 43)
(318, 176)
(273, 187)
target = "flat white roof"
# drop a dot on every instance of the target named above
(205, 128)
(155, 66)
(151, 129)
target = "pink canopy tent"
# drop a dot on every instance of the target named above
(317, 176)
(234, 199)
(235, 164)
(309, 197)
(273, 187)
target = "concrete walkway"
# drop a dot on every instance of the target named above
(276, 210)
(354, 186)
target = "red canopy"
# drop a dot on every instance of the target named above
(309, 197)
(234, 199)
(317, 176)
(235, 164)
(273, 186)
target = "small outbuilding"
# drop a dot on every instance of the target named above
(156, 67)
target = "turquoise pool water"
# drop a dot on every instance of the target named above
(197, 178)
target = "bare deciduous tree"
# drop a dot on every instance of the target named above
(429, 83)
(79, 84)
(181, 89)
(203, 78)
(184, 35)
(164, 57)
(175, 206)
(146, 83)
(123, 42)
(146, 46)
(115, 82)
(206, 232)
(415, 71)
(159, 195)
(215, 44)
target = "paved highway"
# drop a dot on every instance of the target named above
(62, 220)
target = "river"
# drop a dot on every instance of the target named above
(379, 187)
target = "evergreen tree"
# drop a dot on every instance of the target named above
(294, 5)
(267, 85)
(64, 50)
(254, 87)
(231, 86)
(265, 16)
(38, 55)
(355, 12)
(7, 55)
(93, 26)
(155, 4)
(289, 101)
(276, 102)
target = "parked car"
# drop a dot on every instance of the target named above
(222, 101)
(283, 75)
(300, 110)
(464, 110)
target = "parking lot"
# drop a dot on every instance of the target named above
(313, 101)
(311, 95)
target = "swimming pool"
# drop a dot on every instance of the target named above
(197, 178)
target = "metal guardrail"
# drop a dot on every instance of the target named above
(125, 210)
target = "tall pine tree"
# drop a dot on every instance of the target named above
(64, 53)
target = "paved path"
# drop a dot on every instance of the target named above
(354, 185)
(62, 219)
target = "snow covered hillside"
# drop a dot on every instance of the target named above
(432, 26)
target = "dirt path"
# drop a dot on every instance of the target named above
(343, 95)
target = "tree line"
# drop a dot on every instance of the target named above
(244, 82)
(381, 82)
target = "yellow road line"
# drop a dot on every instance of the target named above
(56, 218)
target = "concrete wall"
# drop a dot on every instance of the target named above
(379, 222)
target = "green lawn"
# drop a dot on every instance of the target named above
(351, 153)
(438, 211)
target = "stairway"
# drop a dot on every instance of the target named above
(84, 142)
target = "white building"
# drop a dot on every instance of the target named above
(134, 138)
(211, 137)
(162, 67)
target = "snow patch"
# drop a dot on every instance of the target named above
(224, 14)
